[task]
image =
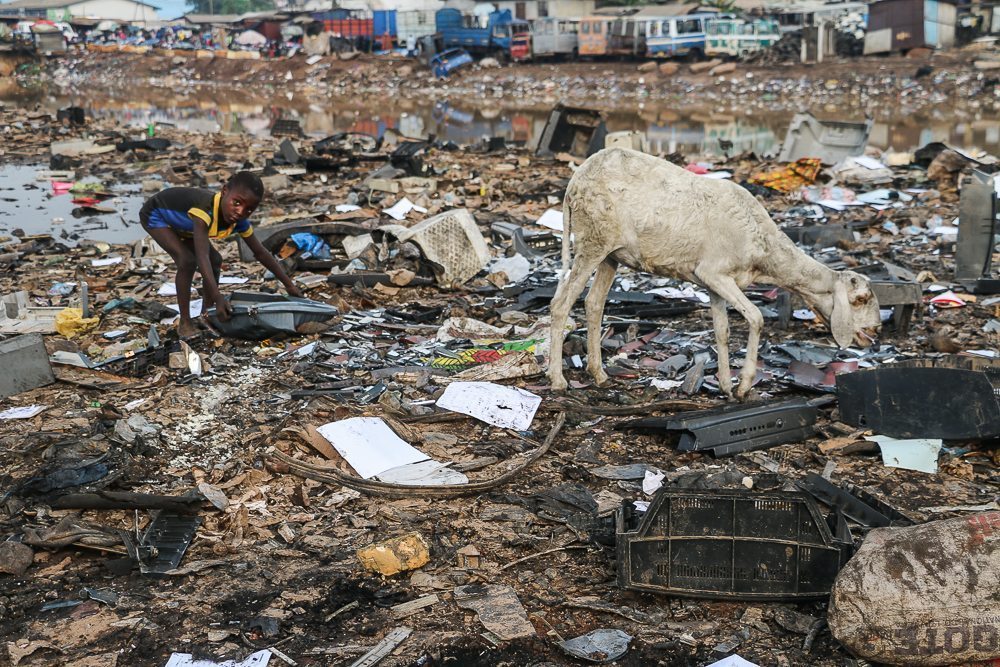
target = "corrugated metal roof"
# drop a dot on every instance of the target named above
(211, 18)
(52, 4)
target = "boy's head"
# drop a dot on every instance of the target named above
(241, 196)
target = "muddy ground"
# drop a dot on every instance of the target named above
(277, 567)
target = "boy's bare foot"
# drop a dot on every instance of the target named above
(186, 329)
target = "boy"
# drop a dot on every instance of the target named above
(183, 220)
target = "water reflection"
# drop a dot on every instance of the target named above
(30, 203)
(688, 130)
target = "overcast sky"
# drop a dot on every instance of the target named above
(169, 9)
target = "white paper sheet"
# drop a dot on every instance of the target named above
(733, 661)
(919, 454)
(506, 407)
(258, 659)
(428, 472)
(369, 445)
(196, 306)
(346, 208)
(233, 280)
(552, 218)
(25, 412)
(687, 292)
(399, 210)
(868, 162)
(108, 261)
(652, 481)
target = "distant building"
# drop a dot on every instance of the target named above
(211, 19)
(533, 9)
(132, 11)
(900, 25)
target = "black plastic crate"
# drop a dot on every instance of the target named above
(738, 545)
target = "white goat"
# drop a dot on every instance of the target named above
(626, 207)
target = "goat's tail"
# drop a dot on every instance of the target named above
(565, 238)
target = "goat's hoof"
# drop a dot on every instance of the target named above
(600, 377)
(747, 395)
(559, 385)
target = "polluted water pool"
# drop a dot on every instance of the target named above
(33, 201)
(691, 130)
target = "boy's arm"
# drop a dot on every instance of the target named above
(201, 248)
(271, 264)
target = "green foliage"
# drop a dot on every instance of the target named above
(724, 6)
(229, 6)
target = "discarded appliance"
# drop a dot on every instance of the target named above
(409, 156)
(71, 116)
(448, 61)
(526, 242)
(855, 503)
(731, 544)
(451, 242)
(732, 429)
(977, 214)
(903, 296)
(579, 132)
(823, 236)
(150, 144)
(347, 142)
(372, 278)
(25, 364)
(287, 127)
(627, 139)
(600, 646)
(17, 316)
(924, 398)
(164, 542)
(256, 316)
(830, 141)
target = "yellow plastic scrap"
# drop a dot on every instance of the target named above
(792, 177)
(407, 552)
(70, 322)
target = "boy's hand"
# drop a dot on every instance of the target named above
(293, 290)
(222, 308)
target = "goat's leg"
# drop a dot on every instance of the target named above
(720, 321)
(596, 299)
(727, 289)
(568, 291)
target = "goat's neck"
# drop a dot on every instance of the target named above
(787, 266)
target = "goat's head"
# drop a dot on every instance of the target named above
(854, 317)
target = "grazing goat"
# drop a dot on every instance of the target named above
(626, 207)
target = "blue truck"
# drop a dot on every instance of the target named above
(499, 35)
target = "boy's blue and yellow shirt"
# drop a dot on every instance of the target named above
(179, 208)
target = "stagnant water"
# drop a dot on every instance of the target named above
(32, 205)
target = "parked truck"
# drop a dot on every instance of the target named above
(498, 35)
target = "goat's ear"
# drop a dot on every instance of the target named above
(842, 318)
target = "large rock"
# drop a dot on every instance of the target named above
(705, 65)
(669, 68)
(15, 558)
(923, 595)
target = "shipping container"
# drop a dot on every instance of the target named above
(894, 25)
(416, 24)
(347, 23)
(384, 22)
